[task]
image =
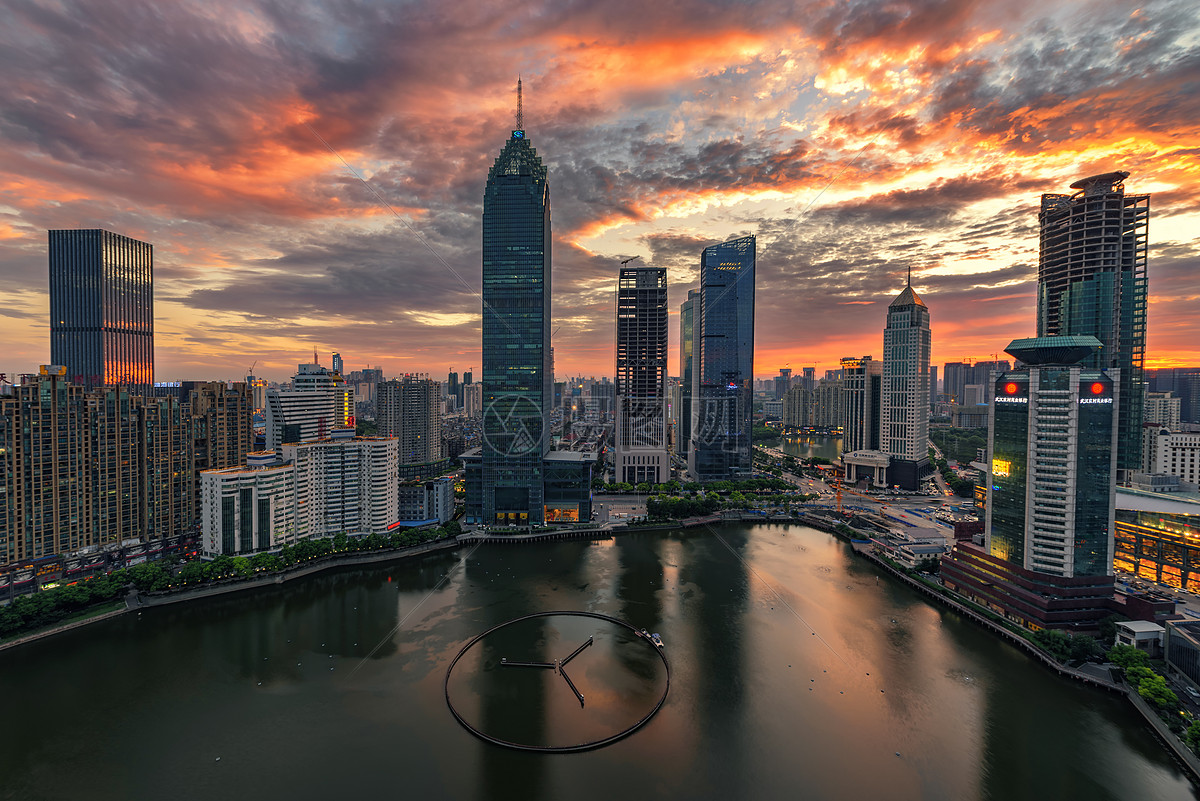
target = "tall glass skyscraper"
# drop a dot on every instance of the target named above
(641, 376)
(102, 308)
(517, 380)
(723, 362)
(1092, 282)
(687, 316)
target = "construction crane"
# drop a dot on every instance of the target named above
(631, 258)
(251, 371)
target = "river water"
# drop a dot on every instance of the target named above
(806, 447)
(796, 672)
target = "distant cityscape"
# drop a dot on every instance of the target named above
(1088, 479)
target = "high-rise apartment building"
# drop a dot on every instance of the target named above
(861, 401)
(1092, 282)
(517, 373)
(904, 419)
(933, 384)
(798, 408)
(1163, 409)
(723, 362)
(309, 410)
(102, 308)
(45, 474)
(827, 398)
(410, 409)
(687, 327)
(641, 376)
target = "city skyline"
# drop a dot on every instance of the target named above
(853, 145)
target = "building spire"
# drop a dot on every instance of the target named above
(910, 274)
(520, 112)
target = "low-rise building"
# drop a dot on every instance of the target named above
(1142, 635)
(427, 501)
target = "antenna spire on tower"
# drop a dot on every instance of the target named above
(910, 274)
(520, 112)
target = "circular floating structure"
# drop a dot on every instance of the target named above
(617, 671)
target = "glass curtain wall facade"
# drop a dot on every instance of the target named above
(687, 316)
(1092, 282)
(1051, 499)
(906, 344)
(102, 308)
(517, 380)
(641, 375)
(723, 362)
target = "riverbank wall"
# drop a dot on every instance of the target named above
(1183, 755)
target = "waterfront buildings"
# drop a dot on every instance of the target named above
(102, 308)
(687, 317)
(85, 470)
(1048, 550)
(1092, 282)
(222, 426)
(410, 409)
(904, 408)
(640, 435)
(320, 488)
(723, 362)
(861, 408)
(306, 411)
(517, 372)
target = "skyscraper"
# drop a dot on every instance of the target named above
(1092, 282)
(102, 308)
(309, 410)
(687, 314)
(723, 362)
(516, 334)
(641, 376)
(861, 410)
(904, 420)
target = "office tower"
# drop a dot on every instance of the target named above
(102, 308)
(687, 316)
(862, 409)
(723, 362)
(343, 401)
(782, 382)
(258, 392)
(1047, 559)
(933, 384)
(1092, 282)
(306, 411)
(516, 334)
(52, 514)
(904, 419)
(1052, 438)
(410, 410)
(828, 401)
(641, 376)
(338, 367)
(862, 385)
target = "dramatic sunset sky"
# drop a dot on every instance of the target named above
(856, 139)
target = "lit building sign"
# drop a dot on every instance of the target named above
(1095, 400)
(1001, 467)
(1002, 399)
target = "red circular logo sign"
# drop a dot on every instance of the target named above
(1010, 388)
(1097, 388)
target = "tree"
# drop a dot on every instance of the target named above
(1126, 656)
(1108, 629)
(1193, 736)
(1083, 647)
(1155, 690)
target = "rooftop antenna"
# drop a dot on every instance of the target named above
(315, 359)
(520, 112)
(910, 274)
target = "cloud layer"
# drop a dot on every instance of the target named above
(311, 174)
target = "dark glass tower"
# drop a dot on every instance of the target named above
(517, 381)
(641, 377)
(1092, 282)
(687, 317)
(723, 362)
(102, 308)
